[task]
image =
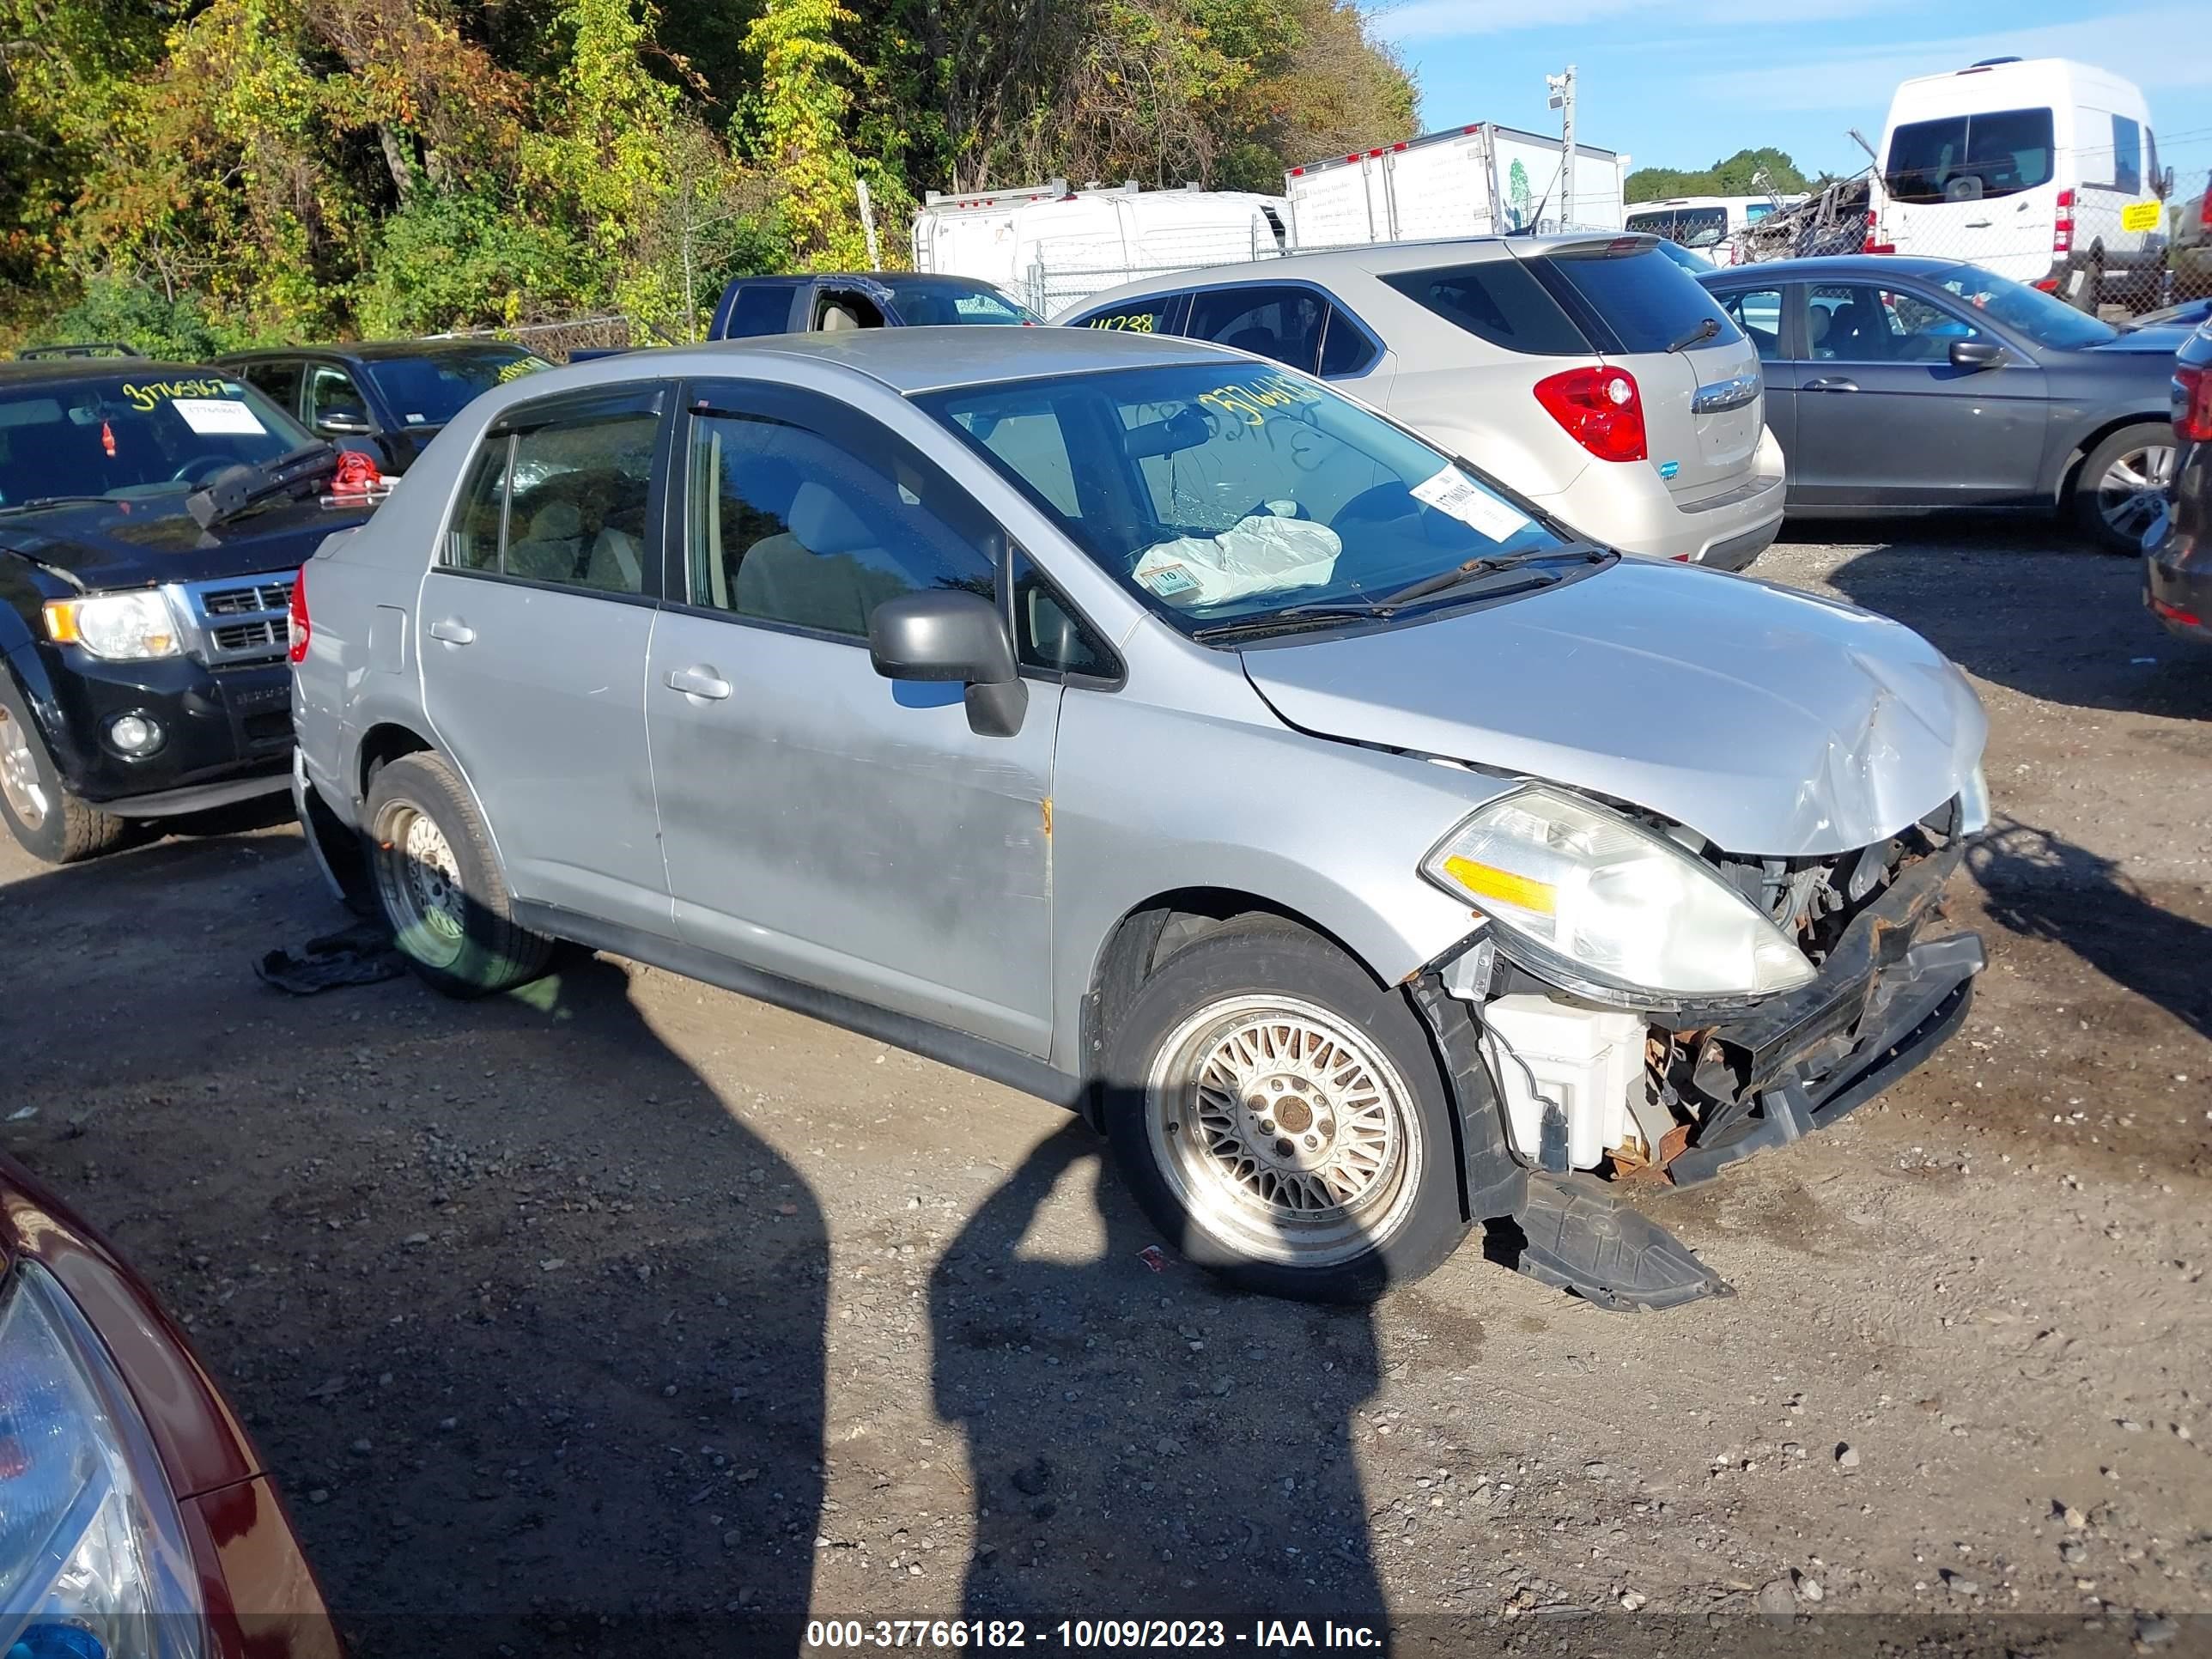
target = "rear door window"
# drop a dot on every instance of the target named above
(1345, 349)
(1285, 324)
(1632, 299)
(279, 382)
(1969, 158)
(1497, 301)
(1758, 312)
(1156, 313)
(759, 310)
(560, 494)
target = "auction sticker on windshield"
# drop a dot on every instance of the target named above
(218, 416)
(1453, 492)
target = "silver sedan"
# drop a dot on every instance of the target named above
(1152, 728)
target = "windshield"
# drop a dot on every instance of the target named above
(430, 389)
(2044, 317)
(127, 436)
(1227, 491)
(1969, 158)
(934, 304)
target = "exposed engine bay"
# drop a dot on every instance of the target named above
(1684, 1090)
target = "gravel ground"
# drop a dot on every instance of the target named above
(622, 1312)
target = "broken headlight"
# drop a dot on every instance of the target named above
(93, 1559)
(1607, 906)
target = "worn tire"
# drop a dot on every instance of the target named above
(451, 919)
(70, 829)
(2088, 518)
(1260, 970)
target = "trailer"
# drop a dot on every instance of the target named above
(1051, 245)
(1483, 180)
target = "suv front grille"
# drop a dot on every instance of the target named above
(238, 620)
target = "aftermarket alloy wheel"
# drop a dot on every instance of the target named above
(1282, 1117)
(48, 823)
(2121, 487)
(439, 884)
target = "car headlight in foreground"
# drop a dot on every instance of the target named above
(132, 627)
(1596, 904)
(94, 1563)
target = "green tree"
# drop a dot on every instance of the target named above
(1740, 175)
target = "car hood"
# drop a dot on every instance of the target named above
(2161, 339)
(131, 544)
(1771, 722)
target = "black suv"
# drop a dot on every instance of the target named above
(152, 518)
(386, 397)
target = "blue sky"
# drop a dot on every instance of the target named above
(1684, 82)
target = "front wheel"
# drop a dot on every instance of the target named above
(1282, 1118)
(439, 884)
(47, 822)
(2121, 488)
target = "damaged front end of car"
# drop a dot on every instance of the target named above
(1588, 1054)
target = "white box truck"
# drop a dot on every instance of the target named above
(1479, 180)
(1051, 246)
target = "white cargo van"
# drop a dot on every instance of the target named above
(1052, 246)
(2040, 169)
(1709, 224)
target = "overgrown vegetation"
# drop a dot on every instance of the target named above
(191, 175)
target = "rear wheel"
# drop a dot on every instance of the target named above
(47, 822)
(2121, 489)
(439, 885)
(1282, 1118)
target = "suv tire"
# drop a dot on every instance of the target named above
(47, 822)
(439, 885)
(1260, 1074)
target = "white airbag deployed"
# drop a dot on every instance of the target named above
(1257, 556)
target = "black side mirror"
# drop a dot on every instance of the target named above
(948, 635)
(345, 421)
(1976, 354)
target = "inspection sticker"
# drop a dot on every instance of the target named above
(218, 416)
(1452, 491)
(1166, 580)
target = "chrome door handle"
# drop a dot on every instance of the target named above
(699, 682)
(452, 632)
(1832, 383)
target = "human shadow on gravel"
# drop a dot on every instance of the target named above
(527, 1323)
(2041, 886)
(1143, 1442)
(2019, 608)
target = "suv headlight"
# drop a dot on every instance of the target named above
(1619, 908)
(131, 626)
(93, 1559)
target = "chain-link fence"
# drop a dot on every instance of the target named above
(611, 332)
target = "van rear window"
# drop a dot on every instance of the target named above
(1969, 158)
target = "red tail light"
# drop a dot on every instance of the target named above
(2062, 227)
(296, 625)
(1873, 244)
(2192, 404)
(1600, 409)
(2205, 208)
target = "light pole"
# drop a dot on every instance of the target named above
(1562, 90)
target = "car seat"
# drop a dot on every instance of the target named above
(1847, 331)
(1819, 325)
(547, 551)
(1259, 341)
(829, 570)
